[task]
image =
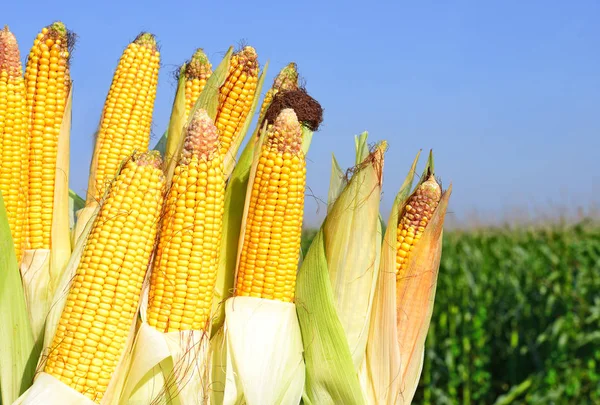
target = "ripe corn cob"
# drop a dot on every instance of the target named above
(286, 80)
(236, 96)
(197, 72)
(127, 117)
(48, 84)
(105, 293)
(271, 245)
(14, 137)
(414, 218)
(185, 265)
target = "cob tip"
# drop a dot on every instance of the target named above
(286, 132)
(199, 67)
(146, 39)
(9, 51)
(287, 79)
(248, 58)
(202, 137)
(150, 158)
(58, 27)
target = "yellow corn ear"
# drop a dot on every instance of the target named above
(14, 137)
(127, 116)
(105, 293)
(197, 72)
(414, 217)
(236, 96)
(271, 245)
(185, 265)
(48, 84)
(286, 80)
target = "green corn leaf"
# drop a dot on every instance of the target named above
(19, 354)
(331, 377)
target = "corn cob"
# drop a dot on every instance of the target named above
(185, 266)
(14, 137)
(236, 96)
(414, 218)
(197, 72)
(48, 84)
(127, 117)
(271, 245)
(105, 293)
(286, 80)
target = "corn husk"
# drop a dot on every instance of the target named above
(41, 269)
(19, 352)
(166, 368)
(334, 324)
(264, 363)
(352, 246)
(402, 311)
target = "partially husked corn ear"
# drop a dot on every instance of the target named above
(415, 216)
(14, 137)
(185, 265)
(271, 246)
(197, 72)
(105, 293)
(48, 84)
(286, 80)
(126, 121)
(236, 96)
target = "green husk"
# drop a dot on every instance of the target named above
(330, 374)
(336, 283)
(176, 123)
(337, 182)
(353, 244)
(19, 354)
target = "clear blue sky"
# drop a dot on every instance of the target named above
(507, 93)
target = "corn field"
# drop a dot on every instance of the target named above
(516, 318)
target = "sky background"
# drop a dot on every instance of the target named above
(506, 93)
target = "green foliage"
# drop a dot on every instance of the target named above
(516, 318)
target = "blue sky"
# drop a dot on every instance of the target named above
(507, 93)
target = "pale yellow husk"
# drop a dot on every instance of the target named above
(167, 368)
(264, 363)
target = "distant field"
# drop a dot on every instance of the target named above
(516, 319)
